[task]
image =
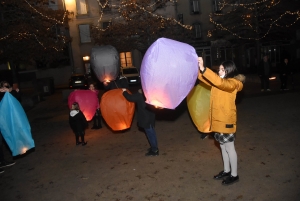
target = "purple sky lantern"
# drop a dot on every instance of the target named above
(169, 71)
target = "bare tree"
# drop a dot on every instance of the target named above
(30, 30)
(139, 26)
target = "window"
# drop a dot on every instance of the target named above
(217, 6)
(180, 18)
(197, 28)
(81, 7)
(84, 31)
(125, 58)
(195, 7)
(53, 4)
(105, 25)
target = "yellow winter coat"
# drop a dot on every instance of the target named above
(222, 101)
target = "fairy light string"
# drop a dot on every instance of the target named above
(27, 35)
(122, 9)
(259, 5)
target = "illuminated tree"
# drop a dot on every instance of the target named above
(254, 20)
(30, 30)
(137, 25)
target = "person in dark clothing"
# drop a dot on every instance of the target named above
(264, 73)
(5, 87)
(146, 119)
(284, 72)
(120, 82)
(97, 116)
(78, 123)
(15, 92)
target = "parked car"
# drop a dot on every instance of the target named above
(132, 74)
(78, 81)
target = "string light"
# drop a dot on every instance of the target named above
(253, 6)
(25, 35)
(124, 6)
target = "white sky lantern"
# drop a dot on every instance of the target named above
(169, 71)
(105, 62)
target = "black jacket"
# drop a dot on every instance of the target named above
(14, 93)
(145, 116)
(261, 69)
(285, 68)
(77, 122)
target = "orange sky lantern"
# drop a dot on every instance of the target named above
(116, 110)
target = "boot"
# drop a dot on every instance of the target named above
(83, 143)
(77, 140)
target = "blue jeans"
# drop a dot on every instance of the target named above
(151, 135)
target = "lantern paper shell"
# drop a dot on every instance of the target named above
(105, 62)
(14, 125)
(88, 102)
(169, 71)
(116, 110)
(198, 102)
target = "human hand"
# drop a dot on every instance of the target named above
(4, 89)
(17, 89)
(200, 63)
(123, 89)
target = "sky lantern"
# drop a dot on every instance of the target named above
(116, 110)
(14, 125)
(169, 71)
(105, 62)
(198, 102)
(87, 100)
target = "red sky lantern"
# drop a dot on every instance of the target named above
(87, 100)
(116, 110)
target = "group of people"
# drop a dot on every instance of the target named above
(6, 87)
(264, 72)
(224, 87)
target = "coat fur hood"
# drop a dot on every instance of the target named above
(240, 77)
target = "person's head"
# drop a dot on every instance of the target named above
(286, 60)
(92, 86)
(75, 106)
(228, 69)
(265, 58)
(5, 84)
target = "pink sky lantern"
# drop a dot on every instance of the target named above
(87, 100)
(105, 62)
(169, 71)
(116, 110)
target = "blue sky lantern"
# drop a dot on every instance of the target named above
(105, 62)
(87, 100)
(14, 125)
(169, 71)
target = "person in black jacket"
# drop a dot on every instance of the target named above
(264, 73)
(145, 118)
(284, 72)
(78, 123)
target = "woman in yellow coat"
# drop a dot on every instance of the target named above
(224, 87)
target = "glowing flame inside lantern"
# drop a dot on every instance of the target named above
(24, 149)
